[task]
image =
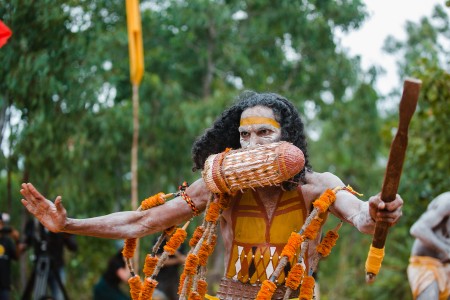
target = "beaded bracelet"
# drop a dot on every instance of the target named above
(190, 203)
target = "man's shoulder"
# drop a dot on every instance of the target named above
(323, 180)
(441, 203)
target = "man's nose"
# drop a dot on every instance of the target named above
(254, 140)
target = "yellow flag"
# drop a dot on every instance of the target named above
(135, 45)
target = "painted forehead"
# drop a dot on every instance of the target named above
(258, 115)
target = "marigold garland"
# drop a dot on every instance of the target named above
(195, 296)
(212, 242)
(325, 200)
(213, 212)
(183, 278)
(198, 233)
(171, 230)
(328, 242)
(293, 244)
(313, 228)
(191, 264)
(175, 241)
(267, 290)
(202, 287)
(150, 264)
(224, 200)
(307, 288)
(153, 201)
(148, 288)
(135, 286)
(203, 254)
(295, 277)
(129, 248)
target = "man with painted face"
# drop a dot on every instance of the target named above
(258, 222)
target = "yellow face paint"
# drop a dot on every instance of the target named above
(259, 120)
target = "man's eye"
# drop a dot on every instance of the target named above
(244, 134)
(264, 132)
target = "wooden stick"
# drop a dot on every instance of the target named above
(408, 103)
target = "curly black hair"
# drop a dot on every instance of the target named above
(225, 134)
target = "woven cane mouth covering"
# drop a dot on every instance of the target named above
(258, 166)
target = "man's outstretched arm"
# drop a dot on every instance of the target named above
(120, 225)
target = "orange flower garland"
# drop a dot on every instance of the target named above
(203, 254)
(294, 242)
(313, 228)
(328, 242)
(175, 241)
(213, 212)
(150, 264)
(195, 296)
(325, 200)
(202, 287)
(135, 286)
(267, 290)
(191, 264)
(307, 288)
(198, 233)
(153, 201)
(129, 248)
(148, 289)
(295, 277)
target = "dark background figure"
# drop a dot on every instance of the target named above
(108, 286)
(48, 256)
(9, 238)
(169, 275)
(429, 264)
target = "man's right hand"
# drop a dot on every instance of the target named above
(52, 215)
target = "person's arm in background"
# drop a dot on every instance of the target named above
(422, 229)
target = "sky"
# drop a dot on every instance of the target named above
(385, 18)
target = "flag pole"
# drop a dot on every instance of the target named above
(136, 53)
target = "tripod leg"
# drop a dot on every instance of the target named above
(29, 287)
(40, 285)
(58, 290)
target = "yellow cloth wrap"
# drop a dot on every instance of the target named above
(259, 120)
(374, 259)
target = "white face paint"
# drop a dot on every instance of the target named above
(258, 127)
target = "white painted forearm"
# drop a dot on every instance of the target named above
(362, 219)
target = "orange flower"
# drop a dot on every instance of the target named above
(196, 236)
(325, 200)
(313, 228)
(190, 267)
(150, 264)
(203, 254)
(175, 241)
(153, 201)
(266, 291)
(328, 242)
(135, 286)
(129, 248)
(202, 287)
(148, 289)
(295, 277)
(307, 288)
(213, 212)
(293, 244)
(169, 231)
(224, 200)
(195, 296)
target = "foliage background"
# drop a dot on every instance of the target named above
(66, 119)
